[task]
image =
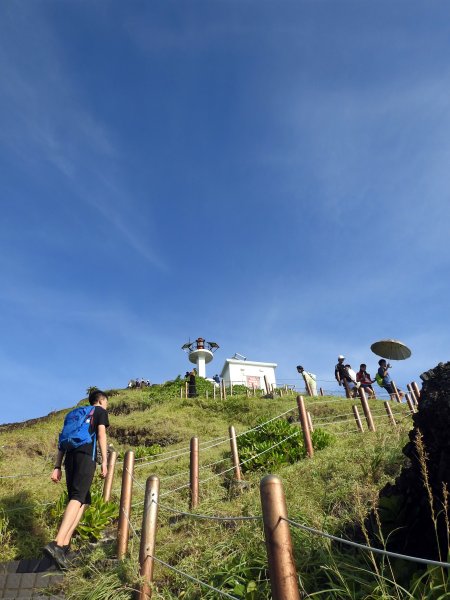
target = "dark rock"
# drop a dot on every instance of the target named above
(412, 512)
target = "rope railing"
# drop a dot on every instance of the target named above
(209, 517)
(296, 433)
(22, 475)
(194, 579)
(379, 414)
(174, 451)
(178, 571)
(202, 481)
(423, 561)
(223, 440)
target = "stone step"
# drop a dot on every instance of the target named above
(32, 578)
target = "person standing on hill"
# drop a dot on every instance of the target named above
(84, 428)
(340, 371)
(310, 380)
(192, 384)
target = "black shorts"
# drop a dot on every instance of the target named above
(80, 469)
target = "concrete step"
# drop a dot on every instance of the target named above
(32, 578)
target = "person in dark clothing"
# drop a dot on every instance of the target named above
(80, 469)
(340, 371)
(192, 385)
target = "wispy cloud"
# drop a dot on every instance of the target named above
(46, 122)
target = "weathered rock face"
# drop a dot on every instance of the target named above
(408, 522)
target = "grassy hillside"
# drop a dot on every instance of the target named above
(332, 492)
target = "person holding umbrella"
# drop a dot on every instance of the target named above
(393, 350)
(386, 378)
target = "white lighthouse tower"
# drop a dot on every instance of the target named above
(200, 353)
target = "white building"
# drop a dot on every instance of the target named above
(248, 373)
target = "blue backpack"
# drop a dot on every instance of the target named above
(75, 431)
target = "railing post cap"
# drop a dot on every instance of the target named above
(153, 478)
(269, 479)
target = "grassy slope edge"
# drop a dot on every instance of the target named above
(330, 492)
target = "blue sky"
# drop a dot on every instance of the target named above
(270, 175)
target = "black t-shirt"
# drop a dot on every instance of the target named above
(343, 373)
(100, 417)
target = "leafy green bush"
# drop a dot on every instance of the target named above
(97, 517)
(243, 576)
(142, 451)
(257, 446)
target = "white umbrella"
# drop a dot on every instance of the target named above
(392, 349)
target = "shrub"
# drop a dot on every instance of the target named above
(259, 445)
(97, 517)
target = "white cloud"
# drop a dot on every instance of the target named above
(45, 120)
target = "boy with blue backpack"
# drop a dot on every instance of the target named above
(84, 428)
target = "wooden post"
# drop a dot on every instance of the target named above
(305, 426)
(125, 505)
(282, 569)
(247, 392)
(396, 394)
(387, 406)
(214, 391)
(266, 383)
(310, 425)
(321, 391)
(410, 404)
(366, 409)
(194, 473)
(412, 393)
(181, 391)
(207, 394)
(415, 387)
(186, 388)
(110, 476)
(231, 388)
(254, 388)
(148, 536)
(224, 391)
(234, 453)
(357, 418)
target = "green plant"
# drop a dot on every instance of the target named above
(97, 517)
(142, 451)
(277, 443)
(243, 575)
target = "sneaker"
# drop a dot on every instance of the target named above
(49, 549)
(58, 554)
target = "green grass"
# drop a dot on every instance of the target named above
(333, 491)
